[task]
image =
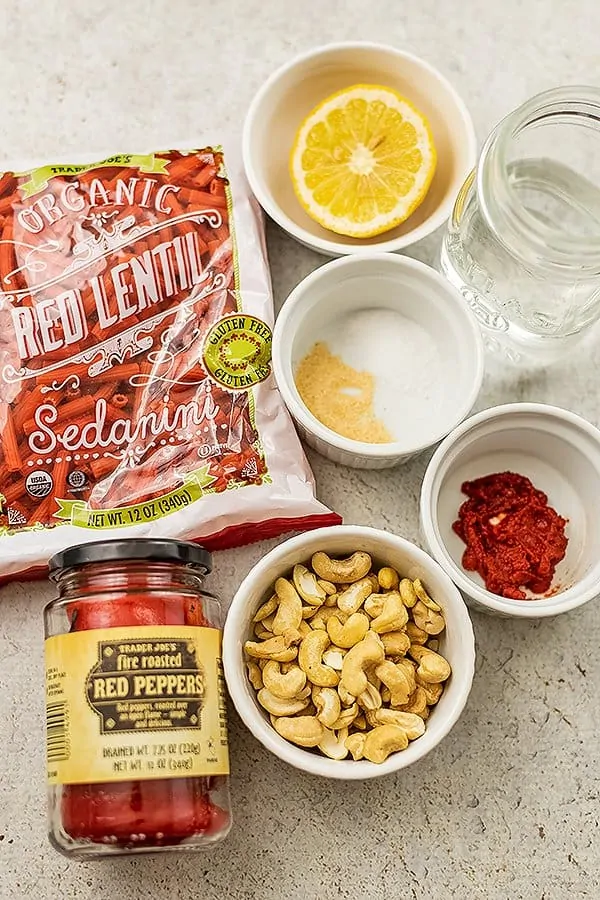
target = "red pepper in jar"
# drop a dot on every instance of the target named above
(149, 591)
(514, 539)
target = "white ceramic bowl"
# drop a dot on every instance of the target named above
(418, 293)
(457, 643)
(288, 96)
(560, 452)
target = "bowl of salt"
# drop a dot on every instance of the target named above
(377, 358)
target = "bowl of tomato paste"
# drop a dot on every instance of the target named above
(509, 509)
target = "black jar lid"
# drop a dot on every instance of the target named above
(183, 553)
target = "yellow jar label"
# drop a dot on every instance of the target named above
(135, 703)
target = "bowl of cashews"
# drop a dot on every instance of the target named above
(348, 652)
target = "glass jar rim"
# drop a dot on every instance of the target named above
(162, 550)
(506, 214)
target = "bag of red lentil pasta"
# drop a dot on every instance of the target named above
(136, 394)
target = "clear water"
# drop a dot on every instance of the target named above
(527, 313)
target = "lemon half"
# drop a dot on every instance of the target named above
(362, 160)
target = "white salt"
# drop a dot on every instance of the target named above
(405, 363)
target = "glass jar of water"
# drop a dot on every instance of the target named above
(523, 243)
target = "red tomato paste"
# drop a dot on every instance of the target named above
(514, 538)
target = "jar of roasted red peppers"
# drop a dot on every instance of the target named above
(136, 727)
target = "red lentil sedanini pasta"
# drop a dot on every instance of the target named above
(136, 394)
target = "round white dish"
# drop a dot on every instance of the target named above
(560, 452)
(413, 290)
(457, 643)
(290, 94)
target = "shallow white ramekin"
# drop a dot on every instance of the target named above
(560, 452)
(291, 92)
(416, 291)
(457, 643)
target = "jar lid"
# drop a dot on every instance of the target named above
(151, 549)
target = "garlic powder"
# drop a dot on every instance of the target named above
(373, 375)
(340, 397)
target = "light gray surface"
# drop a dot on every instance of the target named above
(508, 806)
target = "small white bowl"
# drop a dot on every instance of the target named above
(457, 643)
(560, 452)
(415, 291)
(290, 94)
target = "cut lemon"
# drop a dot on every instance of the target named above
(362, 161)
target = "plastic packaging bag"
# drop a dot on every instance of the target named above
(136, 395)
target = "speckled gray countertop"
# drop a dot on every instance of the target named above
(507, 807)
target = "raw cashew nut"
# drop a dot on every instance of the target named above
(306, 584)
(383, 740)
(282, 685)
(306, 731)
(360, 722)
(374, 605)
(334, 657)
(433, 668)
(424, 596)
(408, 667)
(370, 697)
(395, 643)
(327, 586)
(310, 660)
(279, 707)
(309, 611)
(264, 629)
(267, 622)
(304, 628)
(292, 636)
(333, 744)
(254, 675)
(388, 579)
(408, 593)
(394, 615)
(433, 692)
(394, 678)
(345, 696)
(370, 717)
(427, 620)
(356, 745)
(374, 583)
(328, 705)
(261, 632)
(267, 609)
(330, 600)
(367, 653)
(412, 725)
(322, 616)
(346, 717)
(342, 571)
(349, 634)
(416, 635)
(417, 703)
(279, 648)
(350, 600)
(289, 611)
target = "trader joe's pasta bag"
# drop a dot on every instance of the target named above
(136, 394)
